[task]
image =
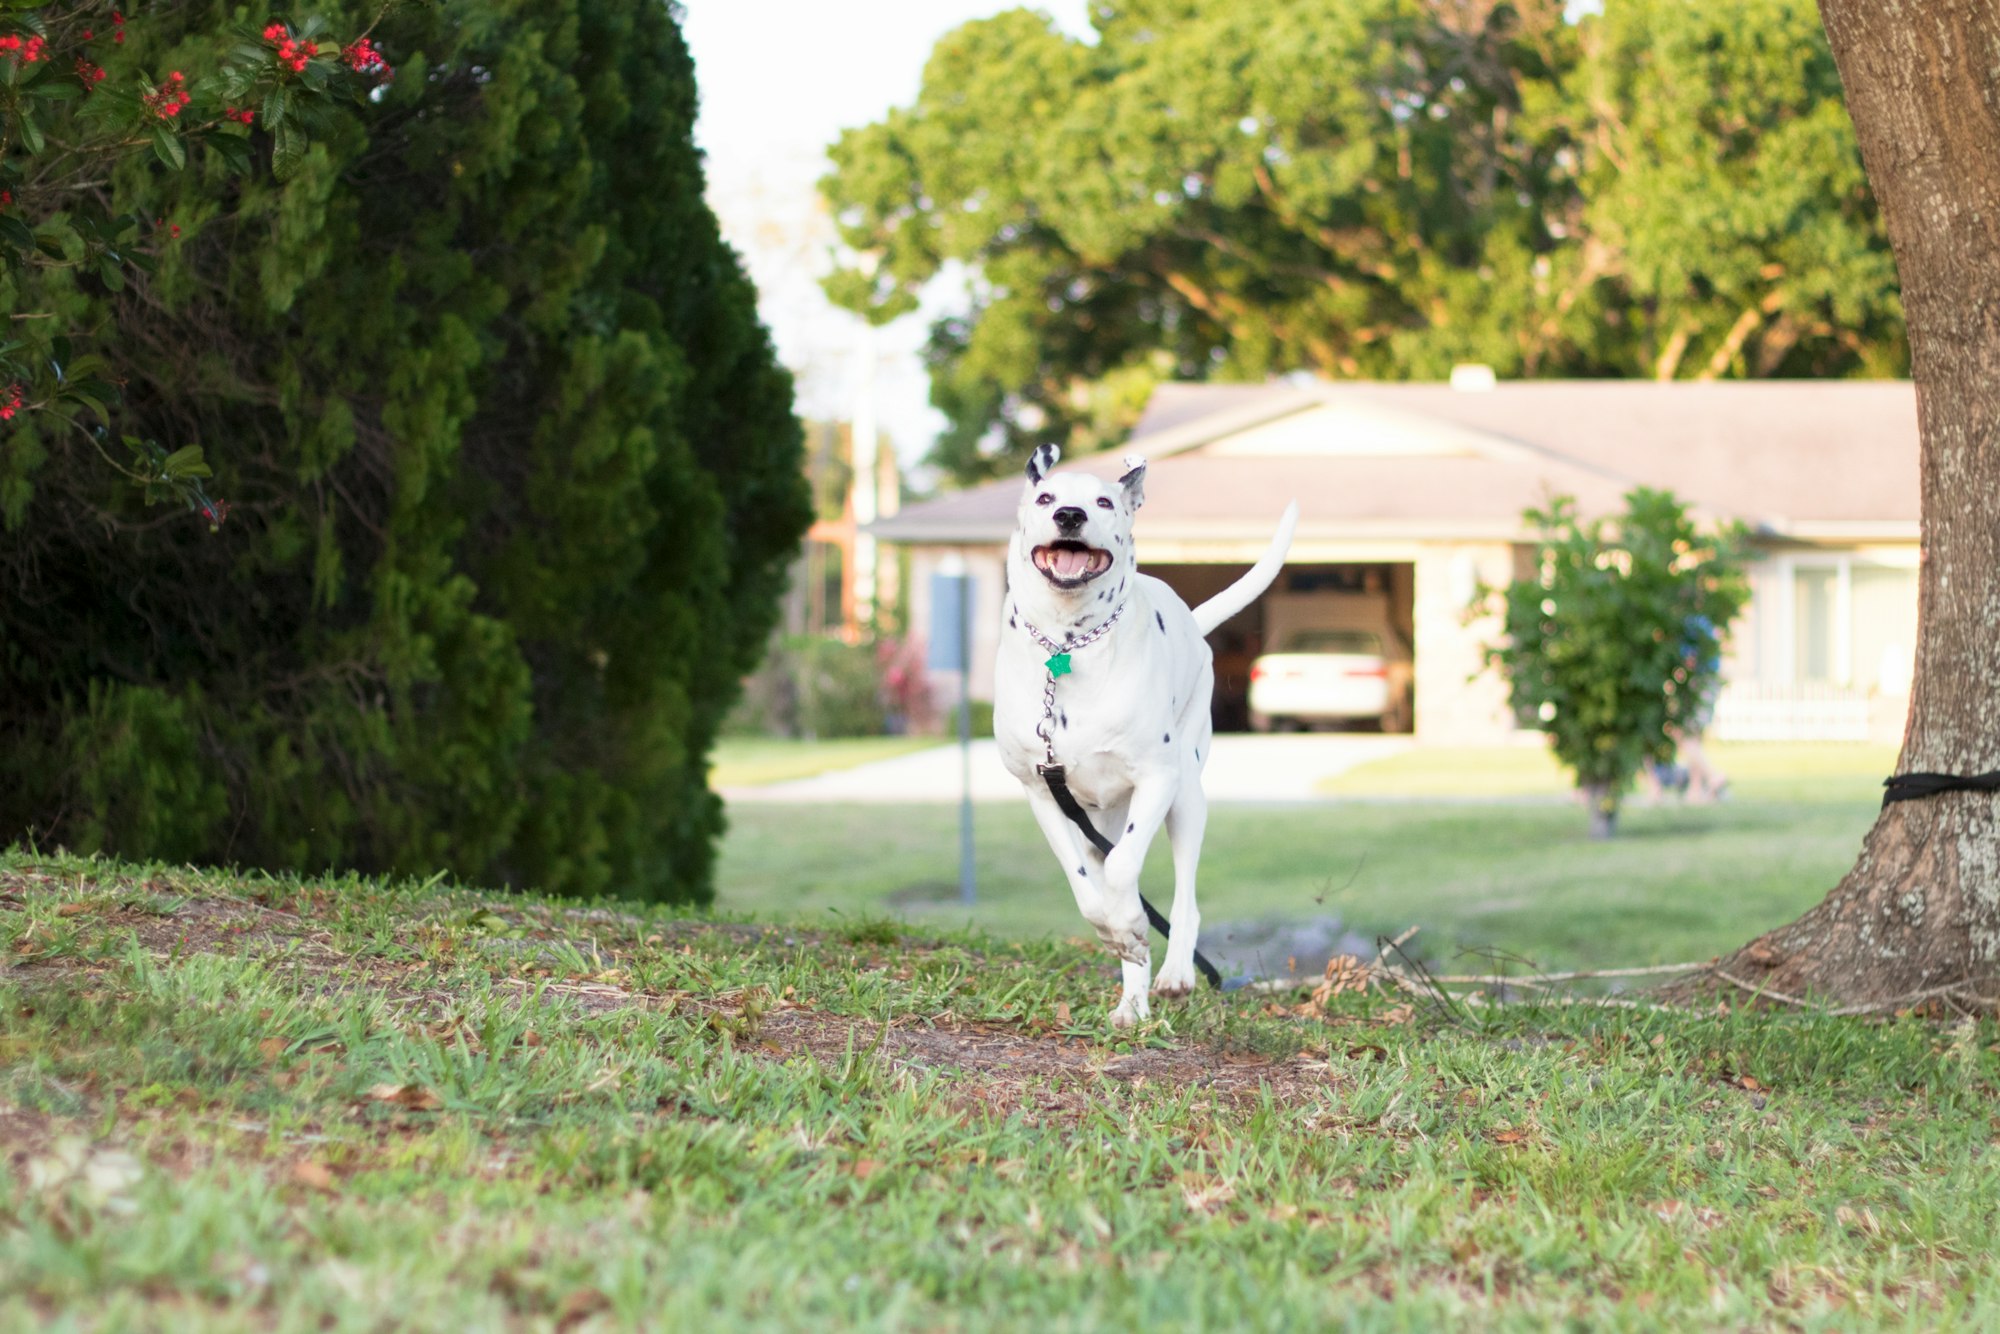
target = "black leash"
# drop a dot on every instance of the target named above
(1059, 789)
(1908, 787)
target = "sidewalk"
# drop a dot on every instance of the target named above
(1241, 768)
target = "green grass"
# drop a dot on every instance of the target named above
(755, 761)
(241, 1103)
(1679, 883)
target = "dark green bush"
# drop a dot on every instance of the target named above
(513, 472)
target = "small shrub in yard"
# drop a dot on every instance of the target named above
(1614, 642)
(817, 687)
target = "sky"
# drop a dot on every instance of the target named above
(779, 80)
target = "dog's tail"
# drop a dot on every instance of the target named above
(1245, 590)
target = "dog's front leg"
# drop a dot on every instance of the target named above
(1066, 841)
(1186, 821)
(1124, 929)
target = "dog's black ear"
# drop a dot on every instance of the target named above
(1040, 462)
(1134, 481)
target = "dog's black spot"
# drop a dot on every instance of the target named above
(1166, 737)
(1162, 620)
(1062, 720)
(1010, 620)
(1068, 636)
(1080, 870)
(1130, 827)
(1197, 752)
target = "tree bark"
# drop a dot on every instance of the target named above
(1919, 915)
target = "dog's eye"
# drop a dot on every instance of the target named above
(1104, 503)
(1046, 498)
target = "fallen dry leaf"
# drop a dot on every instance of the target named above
(72, 909)
(1062, 1012)
(865, 1168)
(313, 1176)
(413, 1096)
(1509, 1136)
(580, 1306)
(271, 1048)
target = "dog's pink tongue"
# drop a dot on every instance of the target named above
(1069, 563)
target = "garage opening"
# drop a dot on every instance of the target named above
(1328, 646)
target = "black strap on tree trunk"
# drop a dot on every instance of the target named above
(1908, 787)
(1059, 789)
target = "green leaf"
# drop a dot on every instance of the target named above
(110, 274)
(31, 131)
(276, 103)
(184, 462)
(288, 150)
(15, 232)
(233, 149)
(167, 146)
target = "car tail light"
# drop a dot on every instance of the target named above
(1256, 671)
(1377, 673)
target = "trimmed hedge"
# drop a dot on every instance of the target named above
(513, 473)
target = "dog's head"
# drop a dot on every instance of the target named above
(1075, 528)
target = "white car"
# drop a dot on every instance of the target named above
(1330, 676)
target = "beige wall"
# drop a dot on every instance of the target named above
(1458, 701)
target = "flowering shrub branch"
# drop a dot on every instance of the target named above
(73, 105)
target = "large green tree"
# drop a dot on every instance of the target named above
(1362, 188)
(513, 472)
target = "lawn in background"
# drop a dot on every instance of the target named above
(1754, 769)
(1678, 883)
(244, 1103)
(753, 761)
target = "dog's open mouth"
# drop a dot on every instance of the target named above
(1070, 564)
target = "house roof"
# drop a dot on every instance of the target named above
(1805, 459)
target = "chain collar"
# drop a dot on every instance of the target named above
(1058, 665)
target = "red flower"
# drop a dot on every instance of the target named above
(13, 403)
(89, 73)
(118, 22)
(363, 57)
(275, 33)
(169, 99)
(294, 55)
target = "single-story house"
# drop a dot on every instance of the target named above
(1411, 497)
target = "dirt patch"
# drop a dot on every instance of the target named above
(1004, 1067)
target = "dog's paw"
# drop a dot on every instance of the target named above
(1130, 944)
(1176, 980)
(1130, 1011)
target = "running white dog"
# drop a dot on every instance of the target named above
(1104, 677)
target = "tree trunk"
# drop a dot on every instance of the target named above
(1920, 912)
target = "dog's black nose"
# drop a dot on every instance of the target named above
(1069, 518)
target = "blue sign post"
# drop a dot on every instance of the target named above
(951, 651)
